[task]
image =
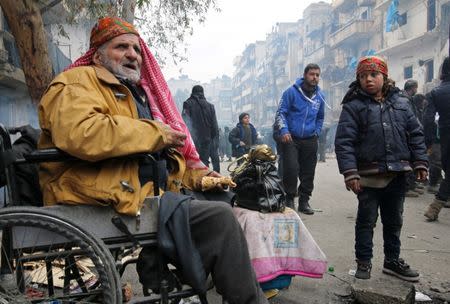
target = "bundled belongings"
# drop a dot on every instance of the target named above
(280, 246)
(258, 186)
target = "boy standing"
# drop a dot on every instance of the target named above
(378, 140)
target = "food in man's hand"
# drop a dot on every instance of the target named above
(209, 182)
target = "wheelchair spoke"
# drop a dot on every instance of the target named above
(49, 263)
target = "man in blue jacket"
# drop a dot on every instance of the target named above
(300, 117)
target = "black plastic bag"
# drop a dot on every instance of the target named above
(258, 186)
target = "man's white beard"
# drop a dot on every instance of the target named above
(120, 71)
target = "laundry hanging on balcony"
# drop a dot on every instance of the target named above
(392, 16)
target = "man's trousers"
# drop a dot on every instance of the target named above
(444, 189)
(299, 161)
(223, 249)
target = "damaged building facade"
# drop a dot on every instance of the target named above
(411, 35)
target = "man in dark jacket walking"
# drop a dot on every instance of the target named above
(409, 91)
(439, 102)
(200, 117)
(300, 119)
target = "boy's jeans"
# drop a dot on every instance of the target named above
(390, 201)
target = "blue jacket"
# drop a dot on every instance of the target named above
(300, 115)
(373, 138)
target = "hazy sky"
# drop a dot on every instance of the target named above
(225, 34)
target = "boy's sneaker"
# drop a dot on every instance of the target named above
(411, 193)
(401, 270)
(420, 186)
(419, 190)
(433, 189)
(363, 270)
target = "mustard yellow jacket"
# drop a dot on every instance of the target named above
(89, 114)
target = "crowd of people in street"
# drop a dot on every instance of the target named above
(387, 141)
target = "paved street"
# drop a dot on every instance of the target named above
(426, 246)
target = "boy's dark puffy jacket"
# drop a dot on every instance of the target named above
(375, 137)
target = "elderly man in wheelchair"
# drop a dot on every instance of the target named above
(121, 143)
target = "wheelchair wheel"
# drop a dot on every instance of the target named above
(48, 259)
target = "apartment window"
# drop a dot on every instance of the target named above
(402, 19)
(364, 16)
(408, 72)
(431, 15)
(429, 70)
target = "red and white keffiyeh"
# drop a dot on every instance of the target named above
(162, 105)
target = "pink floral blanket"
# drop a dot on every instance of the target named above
(279, 243)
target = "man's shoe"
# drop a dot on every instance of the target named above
(290, 201)
(363, 270)
(433, 210)
(401, 270)
(411, 193)
(303, 207)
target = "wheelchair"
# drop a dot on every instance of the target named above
(71, 253)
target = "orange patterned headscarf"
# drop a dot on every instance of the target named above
(372, 64)
(109, 27)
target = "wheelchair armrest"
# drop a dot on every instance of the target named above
(57, 155)
(47, 155)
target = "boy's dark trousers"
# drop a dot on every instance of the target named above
(390, 201)
(410, 181)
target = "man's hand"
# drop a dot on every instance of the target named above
(353, 185)
(214, 174)
(174, 138)
(286, 138)
(219, 186)
(241, 143)
(214, 182)
(421, 175)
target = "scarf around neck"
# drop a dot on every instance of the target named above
(162, 105)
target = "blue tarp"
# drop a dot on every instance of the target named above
(392, 16)
(353, 62)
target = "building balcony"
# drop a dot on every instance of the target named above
(11, 76)
(366, 2)
(352, 32)
(246, 76)
(402, 45)
(319, 55)
(343, 5)
(246, 92)
(383, 5)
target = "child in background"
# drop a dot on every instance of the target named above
(378, 140)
